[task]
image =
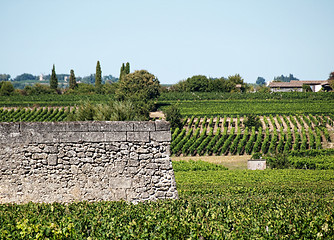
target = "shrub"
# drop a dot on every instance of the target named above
(253, 121)
(173, 115)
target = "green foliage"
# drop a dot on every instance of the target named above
(125, 70)
(198, 165)
(53, 79)
(253, 121)
(73, 83)
(173, 116)
(213, 204)
(86, 111)
(198, 83)
(257, 156)
(138, 86)
(98, 76)
(306, 88)
(25, 77)
(4, 77)
(6, 88)
(283, 78)
(260, 81)
(279, 161)
(113, 111)
(141, 88)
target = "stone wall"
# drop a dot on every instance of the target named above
(93, 161)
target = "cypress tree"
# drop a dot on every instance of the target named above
(98, 75)
(53, 79)
(127, 68)
(122, 71)
(73, 82)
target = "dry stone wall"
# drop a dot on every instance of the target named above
(93, 161)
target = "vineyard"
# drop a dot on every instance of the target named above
(221, 135)
(213, 204)
(228, 136)
(34, 114)
(202, 108)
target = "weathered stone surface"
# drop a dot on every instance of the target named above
(161, 125)
(137, 136)
(161, 136)
(92, 161)
(143, 126)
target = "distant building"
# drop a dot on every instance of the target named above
(297, 86)
(41, 77)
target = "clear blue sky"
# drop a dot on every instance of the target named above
(169, 38)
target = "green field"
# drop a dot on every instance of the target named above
(213, 204)
(245, 107)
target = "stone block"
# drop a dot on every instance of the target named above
(161, 125)
(52, 159)
(143, 126)
(137, 136)
(71, 137)
(161, 136)
(77, 126)
(110, 126)
(115, 136)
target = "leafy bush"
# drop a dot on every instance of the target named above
(173, 116)
(280, 161)
(253, 121)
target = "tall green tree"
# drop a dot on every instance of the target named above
(53, 79)
(73, 81)
(122, 71)
(98, 75)
(127, 68)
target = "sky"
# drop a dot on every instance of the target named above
(171, 39)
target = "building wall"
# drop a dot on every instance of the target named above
(286, 89)
(93, 161)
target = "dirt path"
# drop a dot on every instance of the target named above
(231, 162)
(158, 114)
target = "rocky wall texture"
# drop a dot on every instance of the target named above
(92, 161)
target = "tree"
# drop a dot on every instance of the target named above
(4, 77)
(331, 76)
(127, 68)
(236, 83)
(283, 78)
(53, 79)
(141, 88)
(73, 82)
(6, 88)
(122, 71)
(98, 75)
(260, 81)
(25, 77)
(138, 86)
(197, 83)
